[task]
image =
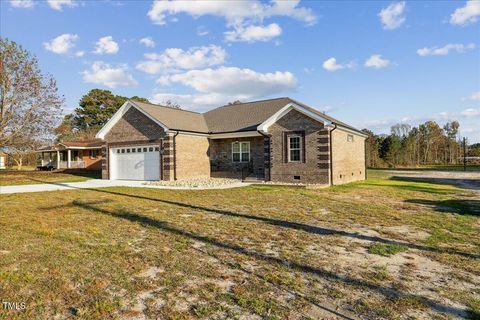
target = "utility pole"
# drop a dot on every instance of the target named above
(464, 154)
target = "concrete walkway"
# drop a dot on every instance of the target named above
(97, 183)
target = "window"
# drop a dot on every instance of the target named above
(94, 154)
(150, 149)
(294, 148)
(133, 150)
(123, 150)
(144, 149)
(139, 149)
(118, 150)
(157, 149)
(350, 137)
(128, 150)
(241, 151)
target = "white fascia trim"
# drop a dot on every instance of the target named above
(340, 127)
(263, 127)
(119, 114)
(245, 134)
(83, 148)
(40, 151)
(188, 133)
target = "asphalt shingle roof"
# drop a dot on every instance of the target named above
(229, 118)
(175, 119)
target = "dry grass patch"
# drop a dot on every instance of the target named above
(11, 178)
(255, 252)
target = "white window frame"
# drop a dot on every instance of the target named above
(350, 137)
(299, 136)
(241, 151)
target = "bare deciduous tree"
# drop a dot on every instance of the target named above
(29, 101)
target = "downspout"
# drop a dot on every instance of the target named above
(331, 157)
(365, 153)
(269, 164)
(175, 156)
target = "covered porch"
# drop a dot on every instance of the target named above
(70, 155)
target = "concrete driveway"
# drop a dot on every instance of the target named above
(97, 183)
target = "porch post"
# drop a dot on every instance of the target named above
(69, 158)
(58, 159)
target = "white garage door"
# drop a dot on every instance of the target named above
(135, 163)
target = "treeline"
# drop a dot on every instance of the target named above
(429, 143)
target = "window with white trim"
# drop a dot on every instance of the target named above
(241, 151)
(294, 148)
(350, 137)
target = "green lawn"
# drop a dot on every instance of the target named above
(10, 178)
(379, 249)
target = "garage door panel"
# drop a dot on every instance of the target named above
(135, 163)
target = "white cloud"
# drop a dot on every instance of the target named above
(308, 70)
(471, 112)
(26, 4)
(178, 59)
(393, 16)
(61, 44)
(376, 61)
(467, 14)
(79, 53)
(147, 42)
(475, 96)
(443, 51)
(193, 101)
(58, 4)
(332, 65)
(106, 45)
(202, 31)
(236, 81)
(233, 11)
(253, 33)
(245, 17)
(224, 84)
(103, 74)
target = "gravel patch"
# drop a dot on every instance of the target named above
(195, 182)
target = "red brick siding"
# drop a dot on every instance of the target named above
(314, 167)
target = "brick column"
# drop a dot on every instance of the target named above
(266, 156)
(105, 159)
(323, 152)
(167, 158)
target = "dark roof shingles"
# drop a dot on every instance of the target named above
(229, 118)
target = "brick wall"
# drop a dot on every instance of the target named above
(314, 167)
(134, 126)
(91, 164)
(348, 157)
(192, 156)
(221, 161)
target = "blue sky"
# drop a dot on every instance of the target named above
(368, 63)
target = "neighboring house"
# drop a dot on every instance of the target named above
(3, 160)
(71, 155)
(279, 140)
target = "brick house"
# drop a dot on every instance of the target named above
(278, 140)
(71, 155)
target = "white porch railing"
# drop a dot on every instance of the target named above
(73, 164)
(76, 164)
(63, 164)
